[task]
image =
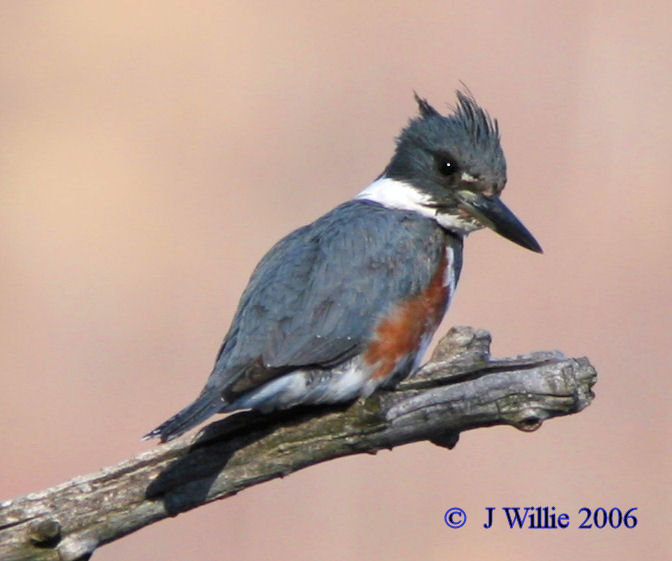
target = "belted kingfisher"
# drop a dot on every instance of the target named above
(350, 302)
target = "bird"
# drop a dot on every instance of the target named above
(350, 302)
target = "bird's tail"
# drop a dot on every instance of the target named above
(207, 404)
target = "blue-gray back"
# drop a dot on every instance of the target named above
(316, 296)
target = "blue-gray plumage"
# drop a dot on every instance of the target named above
(350, 302)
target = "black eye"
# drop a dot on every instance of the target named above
(446, 164)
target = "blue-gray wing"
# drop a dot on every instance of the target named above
(315, 298)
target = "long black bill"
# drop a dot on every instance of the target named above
(494, 214)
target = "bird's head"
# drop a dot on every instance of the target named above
(457, 166)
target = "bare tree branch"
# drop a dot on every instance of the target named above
(461, 388)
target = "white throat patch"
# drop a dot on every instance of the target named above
(392, 193)
(399, 195)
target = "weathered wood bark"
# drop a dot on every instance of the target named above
(461, 388)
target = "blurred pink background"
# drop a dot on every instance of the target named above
(150, 154)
